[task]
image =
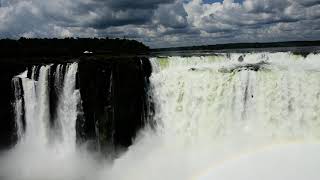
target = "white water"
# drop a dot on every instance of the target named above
(37, 115)
(37, 106)
(241, 125)
(46, 151)
(208, 116)
(67, 107)
(280, 102)
(18, 103)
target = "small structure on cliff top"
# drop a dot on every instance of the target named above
(87, 52)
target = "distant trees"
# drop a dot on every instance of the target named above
(69, 46)
(245, 45)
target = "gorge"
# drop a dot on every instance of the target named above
(163, 117)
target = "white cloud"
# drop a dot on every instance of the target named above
(163, 22)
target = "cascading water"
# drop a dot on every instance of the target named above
(215, 107)
(211, 111)
(47, 147)
(214, 117)
(19, 104)
(36, 100)
(36, 105)
(67, 107)
(199, 101)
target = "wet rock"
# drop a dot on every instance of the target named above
(243, 67)
(113, 93)
(8, 134)
(240, 59)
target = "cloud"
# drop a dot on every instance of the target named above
(171, 15)
(161, 23)
(309, 2)
(141, 4)
(254, 20)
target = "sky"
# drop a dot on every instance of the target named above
(163, 23)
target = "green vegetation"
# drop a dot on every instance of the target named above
(243, 46)
(73, 47)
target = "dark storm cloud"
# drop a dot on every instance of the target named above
(269, 6)
(310, 2)
(163, 22)
(120, 12)
(132, 4)
(130, 16)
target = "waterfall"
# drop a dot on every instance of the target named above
(224, 116)
(198, 100)
(18, 104)
(67, 106)
(34, 107)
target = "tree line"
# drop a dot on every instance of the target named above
(69, 46)
(244, 46)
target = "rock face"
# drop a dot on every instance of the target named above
(114, 97)
(247, 66)
(7, 123)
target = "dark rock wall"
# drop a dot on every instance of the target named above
(7, 123)
(113, 98)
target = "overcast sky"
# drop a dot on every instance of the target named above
(163, 23)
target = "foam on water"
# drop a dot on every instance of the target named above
(210, 124)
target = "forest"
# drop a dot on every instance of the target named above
(244, 46)
(74, 47)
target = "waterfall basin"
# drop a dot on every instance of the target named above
(278, 162)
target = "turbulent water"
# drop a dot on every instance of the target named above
(37, 130)
(216, 117)
(200, 100)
